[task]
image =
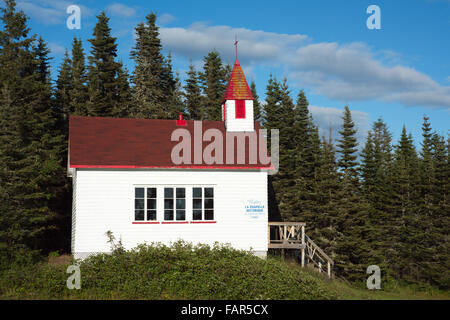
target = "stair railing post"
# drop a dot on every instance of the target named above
(329, 269)
(303, 246)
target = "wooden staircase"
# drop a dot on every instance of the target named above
(291, 235)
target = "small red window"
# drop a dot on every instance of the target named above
(240, 109)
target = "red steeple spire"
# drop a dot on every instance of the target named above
(237, 88)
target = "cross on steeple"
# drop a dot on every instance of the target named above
(236, 44)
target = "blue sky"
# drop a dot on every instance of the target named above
(399, 73)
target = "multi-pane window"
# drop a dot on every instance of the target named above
(202, 203)
(139, 203)
(175, 200)
(176, 204)
(168, 203)
(151, 203)
(180, 203)
(145, 210)
(197, 207)
(209, 203)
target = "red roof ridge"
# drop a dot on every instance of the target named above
(140, 119)
(163, 120)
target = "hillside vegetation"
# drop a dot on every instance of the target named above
(182, 271)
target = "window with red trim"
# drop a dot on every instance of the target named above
(175, 208)
(179, 199)
(240, 109)
(144, 202)
(203, 203)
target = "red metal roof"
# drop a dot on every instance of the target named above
(237, 88)
(101, 142)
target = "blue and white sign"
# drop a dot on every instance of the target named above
(254, 208)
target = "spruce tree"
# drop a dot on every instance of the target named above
(368, 166)
(78, 90)
(272, 121)
(347, 148)
(287, 147)
(425, 214)
(383, 158)
(302, 118)
(213, 81)
(257, 116)
(376, 168)
(437, 269)
(306, 140)
(228, 69)
(426, 168)
(43, 67)
(279, 114)
(440, 189)
(353, 247)
(272, 106)
(403, 224)
(64, 87)
(176, 105)
(153, 78)
(103, 70)
(192, 95)
(377, 189)
(307, 153)
(325, 231)
(29, 163)
(125, 107)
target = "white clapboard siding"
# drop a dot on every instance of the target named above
(105, 201)
(74, 208)
(238, 125)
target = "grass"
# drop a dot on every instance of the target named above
(347, 291)
(402, 293)
(184, 271)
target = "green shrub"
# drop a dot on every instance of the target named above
(54, 254)
(17, 256)
(185, 271)
(181, 271)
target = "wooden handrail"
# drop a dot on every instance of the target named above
(292, 236)
(308, 239)
(287, 223)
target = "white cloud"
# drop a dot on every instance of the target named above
(56, 48)
(253, 46)
(47, 16)
(50, 12)
(327, 118)
(344, 72)
(350, 72)
(165, 18)
(121, 10)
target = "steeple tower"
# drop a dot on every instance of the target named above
(237, 102)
